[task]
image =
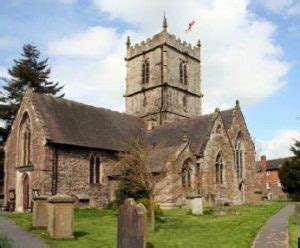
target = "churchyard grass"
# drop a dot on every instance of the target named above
(4, 242)
(178, 228)
(294, 231)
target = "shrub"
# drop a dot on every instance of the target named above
(146, 203)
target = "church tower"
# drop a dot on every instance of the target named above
(163, 79)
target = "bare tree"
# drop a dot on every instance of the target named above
(146, 168)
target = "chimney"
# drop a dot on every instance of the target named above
(263, 163)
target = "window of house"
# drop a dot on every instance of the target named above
(268, 185)
(145, 72)
(238, 156)
(219, 169)
(24, 141)
(186, 176)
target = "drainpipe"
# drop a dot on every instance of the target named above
(54, 170)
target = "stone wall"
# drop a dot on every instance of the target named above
(40, 155)
(74, 170)
(239, 126)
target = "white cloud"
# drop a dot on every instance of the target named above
(280, 145)
(284, 7)
(3, 71)
(240, 59)
(93, 42)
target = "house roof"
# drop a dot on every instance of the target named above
(72, 123)
(275, 164)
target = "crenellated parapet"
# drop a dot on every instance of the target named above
(162, 38)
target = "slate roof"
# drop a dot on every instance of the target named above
(197, 130)
(275, 164)
(71, 123)
(227, 116)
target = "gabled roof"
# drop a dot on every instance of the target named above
(197, 130)
(227, 116)
(72, 123)
(275, 164)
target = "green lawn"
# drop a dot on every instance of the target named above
(97, 228)
(294, 231)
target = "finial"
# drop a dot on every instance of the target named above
(217, 110)
(128, 43)
(165, 24)
(199, 43)
(237, 103)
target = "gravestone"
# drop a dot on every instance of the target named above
(60, 216)
(196, 205)
(257, 197)
(132, 225)
(39, 212)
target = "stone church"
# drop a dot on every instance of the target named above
(62, 146)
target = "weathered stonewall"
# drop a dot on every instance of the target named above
(60, 216)
(39, 212)
(132, 225)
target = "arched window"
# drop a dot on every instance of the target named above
(92, 169)
(218, 129)
(24, 141)
(97, 169)
(238, 156)
(183, 72)
(145, 72)
(186, 176)
(219, 169)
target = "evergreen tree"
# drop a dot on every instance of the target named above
(289, 173)
(29, 70)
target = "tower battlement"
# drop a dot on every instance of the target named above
(163, 38)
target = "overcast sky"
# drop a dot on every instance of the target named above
(250, 52)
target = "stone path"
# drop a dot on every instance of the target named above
(275, 232)
(18, 237)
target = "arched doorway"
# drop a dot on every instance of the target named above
(26, 191)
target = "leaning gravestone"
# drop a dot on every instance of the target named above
(132, 225)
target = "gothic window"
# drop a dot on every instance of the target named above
(183, 72)
(218, 129)
(92, 169)
(219, 169)
(145, 72)
(24, 141)
(238, 156)
(186, 176)
(97, 170)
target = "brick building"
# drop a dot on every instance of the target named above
(62, 146)
(267, 178)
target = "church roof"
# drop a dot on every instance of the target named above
(72, 123)
(197, 130)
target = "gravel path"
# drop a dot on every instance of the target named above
(275, 232)
(18, 237)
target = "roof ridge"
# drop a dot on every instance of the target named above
(86, 105)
